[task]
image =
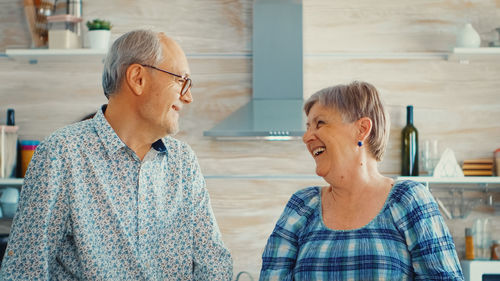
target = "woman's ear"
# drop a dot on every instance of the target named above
(136, 78)
(365, 125)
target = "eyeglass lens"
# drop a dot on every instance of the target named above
(186, 86)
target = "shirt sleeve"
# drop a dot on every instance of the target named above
(212, 260)
(428, 239)
(39, 223)
(280, 253)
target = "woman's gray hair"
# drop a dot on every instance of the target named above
(354, 101)
(138, 46)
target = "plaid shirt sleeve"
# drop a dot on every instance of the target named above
(278, 259)
(431, 246)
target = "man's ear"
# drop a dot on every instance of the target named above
(365, 125)
(136, 78)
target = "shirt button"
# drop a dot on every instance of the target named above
(10, 253)
(143, 198)
(143, 232)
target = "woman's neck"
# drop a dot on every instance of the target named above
(358, 179)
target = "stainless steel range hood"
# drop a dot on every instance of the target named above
(275, 111)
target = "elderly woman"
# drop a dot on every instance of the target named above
(363, 225)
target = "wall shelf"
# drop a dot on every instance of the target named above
(449, 193)
(457, 180)
(34, 56)
(464, 55)
(11, 182)
(380, 55)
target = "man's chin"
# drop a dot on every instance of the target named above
(172, 131)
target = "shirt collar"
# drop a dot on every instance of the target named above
(110, 139)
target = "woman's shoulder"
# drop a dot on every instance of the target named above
(309, 196)
(408, 192)
(299, 210)
(304, 201)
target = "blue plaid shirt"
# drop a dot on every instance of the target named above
(407, 240)
(90, 209)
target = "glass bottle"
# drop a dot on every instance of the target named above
(409, 146)
(495, 250)
(11, 118)
(469, 244)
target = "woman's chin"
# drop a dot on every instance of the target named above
(321, 172)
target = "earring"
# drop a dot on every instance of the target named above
(360, 143)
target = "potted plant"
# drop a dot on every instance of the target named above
(99, 33)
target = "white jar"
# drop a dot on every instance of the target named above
(468, 37)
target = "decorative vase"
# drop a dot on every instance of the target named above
(468, 37)
(99, 39)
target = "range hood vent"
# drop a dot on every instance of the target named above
(275, 111)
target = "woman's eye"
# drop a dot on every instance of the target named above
(319, 124)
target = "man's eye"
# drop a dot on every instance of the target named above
(319, 123)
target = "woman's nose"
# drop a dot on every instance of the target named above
(308, 136)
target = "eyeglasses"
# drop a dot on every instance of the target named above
(188, 83)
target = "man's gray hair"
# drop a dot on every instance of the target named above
(138, 46)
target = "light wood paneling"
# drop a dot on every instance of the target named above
(247, 211)
(13, 28)
(220, 26)
(455, 103)
(392, 25)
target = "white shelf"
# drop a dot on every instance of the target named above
(463, 180)
(380, 55)
(56, 55)
(475, 54)
(11, 182)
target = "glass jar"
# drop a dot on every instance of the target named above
(495, 250)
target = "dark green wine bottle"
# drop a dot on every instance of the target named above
(409, 146)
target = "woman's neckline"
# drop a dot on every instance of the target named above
(386, 202)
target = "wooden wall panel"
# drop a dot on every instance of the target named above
(250, 181)
(348, 26)
(13, 28)
(247, 211)
(457, 104)
(213, 26)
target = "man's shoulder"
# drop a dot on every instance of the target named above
(69, 134)
(177, 147)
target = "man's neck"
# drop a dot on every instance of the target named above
(127, 125)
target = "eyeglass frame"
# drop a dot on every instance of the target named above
(186, 78)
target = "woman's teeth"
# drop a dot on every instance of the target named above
(318, 151)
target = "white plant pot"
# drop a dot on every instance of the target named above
(468, 37)
(99, 39)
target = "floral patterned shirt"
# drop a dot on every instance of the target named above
(90, 209)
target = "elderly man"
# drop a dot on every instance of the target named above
(114, 197)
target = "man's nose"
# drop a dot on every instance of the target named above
(187, 97)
